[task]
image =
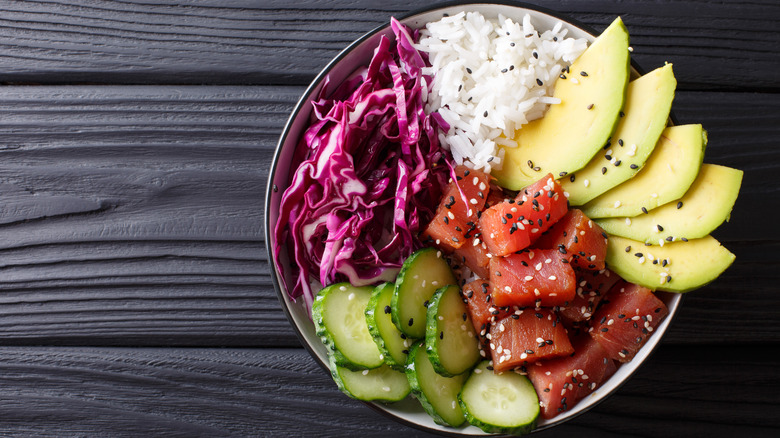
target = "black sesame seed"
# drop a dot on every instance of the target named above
(660, 228)
(634, 166)
(679, 205)
(387, 309)
(504, 70)
(539, 82)
(468, 70)
(620, 141)
(603, 170)
(411, 321)
(441, 335)
(536, 55)
(511, 44)
(582, 73)
(590, 107)
(571, 178)
(644, 210)
(639, 254)
(530, 164)
(485, 114)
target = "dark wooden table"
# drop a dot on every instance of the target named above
(135, 291)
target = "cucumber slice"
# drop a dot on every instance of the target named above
(392, 344)
(378, 384)
(339, 319)
(421, 274)
(499, 403)
(437, 394)
(449, 334)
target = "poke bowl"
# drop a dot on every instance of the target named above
(289, 155)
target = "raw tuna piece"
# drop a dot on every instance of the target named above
(534, 278)
(480, 304)
(510, 226)
(474, 253)
(455, 224)
(582, 241)
(527, 336)
(627, 318)
(561, 383)
(592, 286)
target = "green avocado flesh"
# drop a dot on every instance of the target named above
(706, 205)
(668, 173)
(675, 267)
(648, 102)
(570, 133)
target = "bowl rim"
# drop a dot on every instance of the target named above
(271, 188)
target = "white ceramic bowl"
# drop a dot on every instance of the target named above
(359, 53)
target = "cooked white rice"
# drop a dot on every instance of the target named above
(486, 75)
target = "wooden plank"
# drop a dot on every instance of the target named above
(282, 392)
(723, 45)
(132, 215)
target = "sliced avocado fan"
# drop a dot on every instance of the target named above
(675, 267)
(667, 174)
(706, 205)
(592, 93)
(648, 102)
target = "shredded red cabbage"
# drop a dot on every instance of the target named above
(371, 177)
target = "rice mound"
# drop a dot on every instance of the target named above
(490, 78)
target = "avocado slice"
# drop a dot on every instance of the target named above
(592, 92)
(648, 102)
(667, 174)
(706, 204)
(675, 267)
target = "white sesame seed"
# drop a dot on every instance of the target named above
(529, 278)
(617, 204)
(586, 183)
(552, 277)
(628, 221)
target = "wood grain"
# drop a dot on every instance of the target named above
(723, 45)
(281, 392)
(132, 215)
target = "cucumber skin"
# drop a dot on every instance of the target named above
(408, 263)
(490, 428)
(321, 331)
(432, 333)
(416, 387)
(340, 383)
(373, 328)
